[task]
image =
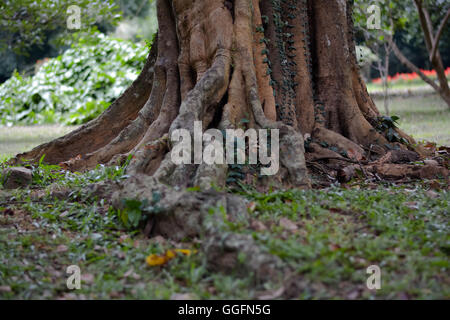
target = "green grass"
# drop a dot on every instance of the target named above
(425, 118)
(372, 87)
(18, 139)
(340, 232)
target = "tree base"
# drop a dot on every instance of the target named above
(229, 67)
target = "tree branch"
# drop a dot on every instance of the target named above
(437, 38)
(425, 24)
(411, 66)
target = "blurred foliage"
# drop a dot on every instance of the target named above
(365, 56)
(76, 86)
(25, 23)
(406, 29)
(32, 30)
(135, 8)
(139, 20)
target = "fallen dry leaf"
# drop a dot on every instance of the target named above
(355, 155)
(411, 205)
(435, 185)
(353, 295)
(154, 260)
(120, 254)
(288, 224)
(87, 278)
(183, 296)
(258, 225)
(131, 274)
(64, 214)
(5, 289)
(61, 248)
(128, 273)
(115, 294)
(123, 238)
(271, 295)
(186, 252)
(251, 206)
(68, 296)
(432, 194)
(334, 247)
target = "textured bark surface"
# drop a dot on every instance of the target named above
(210, 64)
(277, 64)
(223, 61)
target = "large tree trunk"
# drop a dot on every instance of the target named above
(278, 64)
(283, 64)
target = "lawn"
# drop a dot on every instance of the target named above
(326, 239)
(425, 118)
(23, 138)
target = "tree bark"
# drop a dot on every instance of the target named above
(278, 64)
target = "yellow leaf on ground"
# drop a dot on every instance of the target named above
(186, 252)
(170, 254)
(155, 260)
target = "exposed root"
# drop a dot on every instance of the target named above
(319, 153)
(266, 96)
(393, 172)
(339, 142)
(180, 215)
(209, 90)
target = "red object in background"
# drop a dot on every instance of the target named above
(410, 76)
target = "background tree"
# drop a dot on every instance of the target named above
(407, 19)
(432, 40)
(374, 36)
